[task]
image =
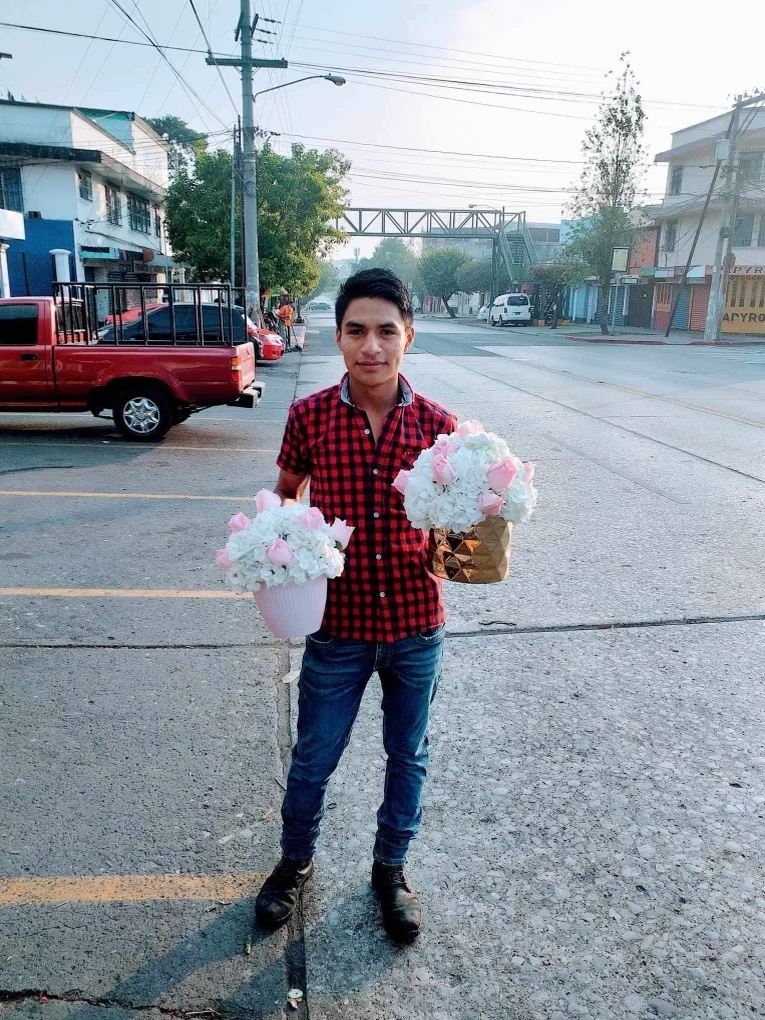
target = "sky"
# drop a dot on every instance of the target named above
(445, 105)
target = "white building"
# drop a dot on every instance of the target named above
(90, 181)
(690, 169)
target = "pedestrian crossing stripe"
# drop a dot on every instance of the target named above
(37, 890)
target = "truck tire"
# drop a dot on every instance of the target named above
(142, 413)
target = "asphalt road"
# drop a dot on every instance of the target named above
(593, 833)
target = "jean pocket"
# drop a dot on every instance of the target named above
(320, 639)
(431, 636)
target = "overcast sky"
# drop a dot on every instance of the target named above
(521, 150)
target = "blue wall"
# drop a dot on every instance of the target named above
(36, 277)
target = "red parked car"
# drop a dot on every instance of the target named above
(271, 346)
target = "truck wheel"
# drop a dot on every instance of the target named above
(142, 414)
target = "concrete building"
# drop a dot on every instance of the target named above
(690, 168)
(91, 182)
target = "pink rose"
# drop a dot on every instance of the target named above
(341, 532)
(279, 553)
(443, 445)
(266, 500)
(312, 519)
(489, 503)
(238, 522)
(528, 472)
(401, 481)
(222, 559)
(500, 475)
(471, 427)
(441, 469)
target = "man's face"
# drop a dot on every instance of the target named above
(373, 339)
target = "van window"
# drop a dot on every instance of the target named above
(517, 299)
(18, 325)
(500, 300)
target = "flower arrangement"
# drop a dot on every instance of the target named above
(466, 478)
(282, 544)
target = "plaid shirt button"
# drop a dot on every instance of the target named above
(324, 439)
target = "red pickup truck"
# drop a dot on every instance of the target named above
(54, 358)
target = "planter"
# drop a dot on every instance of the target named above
(293, 610)
(480, 555)
(539, 322)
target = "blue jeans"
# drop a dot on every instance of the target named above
(334, 676)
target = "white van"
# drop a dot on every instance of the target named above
(512, 309)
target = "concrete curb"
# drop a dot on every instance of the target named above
(617, 340)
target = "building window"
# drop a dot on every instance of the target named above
(750, 166)
(11, 194)
(157, 222)
(676, 180)
(85, 185)
(140, 215)
(670, 235)
(113, 206)
(743, 230)
(761, 232)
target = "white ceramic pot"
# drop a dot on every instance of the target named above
(293, 610)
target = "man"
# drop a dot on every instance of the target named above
(383, 614)
(286, 314)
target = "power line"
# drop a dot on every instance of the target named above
(184, 84)
(210, 53)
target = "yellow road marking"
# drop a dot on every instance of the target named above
(37, 890)
(162, 447)
(120, 495)
(127, 593)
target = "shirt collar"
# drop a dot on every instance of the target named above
(407, 394)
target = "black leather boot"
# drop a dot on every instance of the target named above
(280, 893)
(401, 911)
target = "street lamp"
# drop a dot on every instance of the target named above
(336, 79)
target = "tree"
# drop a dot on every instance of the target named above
(605, 198)
(185, 143)
(476, 275)
(392, 253)
(297, 197)
(198, 210)
(328, 281)
(440, 270)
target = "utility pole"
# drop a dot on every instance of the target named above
(244, 32)
(721, 267)
(716, 290)
(232, 218)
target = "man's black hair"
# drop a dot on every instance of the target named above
(374, 283)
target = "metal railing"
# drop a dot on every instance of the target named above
(177, 315)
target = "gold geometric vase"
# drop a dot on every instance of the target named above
(480, 555)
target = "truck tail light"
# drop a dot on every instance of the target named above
(236, 371)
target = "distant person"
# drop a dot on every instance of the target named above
(287, 313)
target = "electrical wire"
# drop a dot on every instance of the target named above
(210, 53)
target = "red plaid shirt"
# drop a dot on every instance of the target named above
(386, 591)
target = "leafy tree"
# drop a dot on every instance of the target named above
(297, 196)
(185, 143)
(475, 275)
(392, 253)
(440, 270)
(198, 210)
(328, 281)
(606, 195)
